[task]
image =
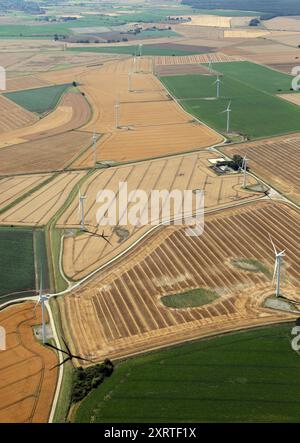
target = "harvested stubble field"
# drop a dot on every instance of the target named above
(26, 82)
(178, 69)
(11, 188)
(283, 24)
(217, 57)
(278, 54)
(276, 160)
(292, 98)
(13, 116)
(142, 134)
(283, 67)
(40, 206)
(119, 312)
(200, 35)
(27, 384)
(9, 59)
(85, 253)
(58, 60)
(72, 112)
(44, 155)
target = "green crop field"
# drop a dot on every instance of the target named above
(257, 76)
(256, 110)
(251, 376)
(17, 271)
(190, 299)
(133, 49)
(39, 100)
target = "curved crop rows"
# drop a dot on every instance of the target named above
(119, 312)
(86, 252)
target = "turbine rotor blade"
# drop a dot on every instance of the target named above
(61, 363)
(273, 245)
(67, 347)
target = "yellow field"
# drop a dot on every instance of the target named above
(84, 253)
(209, 20)
(13, 187)
(38, 208)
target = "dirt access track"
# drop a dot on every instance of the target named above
(27, 383)
(119, 313)
(150, 123)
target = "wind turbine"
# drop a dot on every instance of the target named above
(117, 112)
(69, 354)
(141, 49)
(94, 145)
(228, 111)
(81, 199)
(41, 300)
(218, 83)
(244, 168)
(129, 81)
(277, 267)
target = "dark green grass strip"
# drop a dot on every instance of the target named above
(39, 100)
(250, 376)
(190, 299)
(133, 49)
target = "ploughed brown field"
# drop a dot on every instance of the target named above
(150, 124)
(72, 112)
(84, 253)
(46, 154)
(178, 69)
(27, 383)
(276, 160)
(217, 57)
(119, 312)
(26, 82)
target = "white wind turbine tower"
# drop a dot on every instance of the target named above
(134, 64)
(81, 199)
(117, 112)
(42, 299)
(244, 169)
(228, 111)
(141, 49)
(210, 65)
(129, 81)
(218, 83)
(277, 268)
(94, 146)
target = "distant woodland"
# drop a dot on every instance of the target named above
(274, 7)
(30, 7)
